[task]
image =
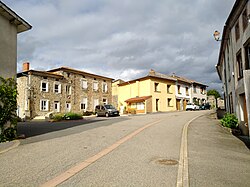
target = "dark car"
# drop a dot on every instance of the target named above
(205, 106)
(106, 110)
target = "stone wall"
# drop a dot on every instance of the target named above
(35, 94)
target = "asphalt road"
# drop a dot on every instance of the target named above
(148, 157)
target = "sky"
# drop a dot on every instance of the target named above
(123, 39)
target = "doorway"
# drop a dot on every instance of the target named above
(157, 105)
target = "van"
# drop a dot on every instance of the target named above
(106, 110)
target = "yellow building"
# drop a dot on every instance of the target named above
(152, 93)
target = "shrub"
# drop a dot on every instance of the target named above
(58, 117)
(8, 106)
(229, 120)
(131, 110)
(73, 116)
(67, 116)
(87, 113)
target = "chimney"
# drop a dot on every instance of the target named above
(26, 66)
(151, 72)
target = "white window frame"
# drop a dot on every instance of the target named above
(95, 86)
(84, 84)
(84, 103)
(104, 87)
(105, 103)
(46, 88)
(59, 87)
(68, 106)
(95, 102)
(68, 91)
(44, 105)
(57, 103)
(140, 106)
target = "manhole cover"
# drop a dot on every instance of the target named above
(166, 162)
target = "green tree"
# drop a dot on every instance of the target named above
(8, 106)
(214, 92)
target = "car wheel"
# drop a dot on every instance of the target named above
(107, 115)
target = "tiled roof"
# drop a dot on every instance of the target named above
(40, 73)
(67, 69)
(137, 99)
(153, 73)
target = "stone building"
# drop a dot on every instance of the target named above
(10, 25)
(234, 63)
(60, 90)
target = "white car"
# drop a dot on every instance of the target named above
(191, 106)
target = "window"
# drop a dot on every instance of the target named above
(44, 105)
(168, 88)
(84, 104)
(56, 106)
(187, 91)
(104, 87)
(44, 86)
(169, 100)
(244, 20)
(95, 86)
(96, 102)
(68, 89)
(247, 52)
(140, 106)
(57, 88)
(68, 106)
(239, 66)
(237, 31)
(202, 90)
(157, 87)
(195, 90)
(179, 89)
(104, 101)
(84, 84)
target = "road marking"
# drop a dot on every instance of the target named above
(80, 166)
(182, 177)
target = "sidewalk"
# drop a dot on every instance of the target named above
(216, 157)
(6, 146)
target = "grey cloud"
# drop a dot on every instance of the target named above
(124, 39)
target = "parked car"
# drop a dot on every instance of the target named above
(205, 106)
(191, 106)
(106, 110)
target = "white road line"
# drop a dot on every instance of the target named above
(182, 177)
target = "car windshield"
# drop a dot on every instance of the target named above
(109, 107)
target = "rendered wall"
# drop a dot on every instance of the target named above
(8, 48)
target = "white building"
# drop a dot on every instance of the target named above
(234, 63)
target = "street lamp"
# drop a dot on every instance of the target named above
(217, 35)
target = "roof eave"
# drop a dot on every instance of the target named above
(9, 14)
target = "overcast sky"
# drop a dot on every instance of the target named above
(124, 38)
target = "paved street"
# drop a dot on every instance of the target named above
(141, 150)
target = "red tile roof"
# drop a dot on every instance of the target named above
(137, 99)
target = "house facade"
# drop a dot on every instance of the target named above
(60, 90)
(182, 92)
(152, 93)
(198, 93)
(234, 63)
(189, 91)
(10, 25)
(157, 92)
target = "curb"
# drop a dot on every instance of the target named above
(13, 144)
